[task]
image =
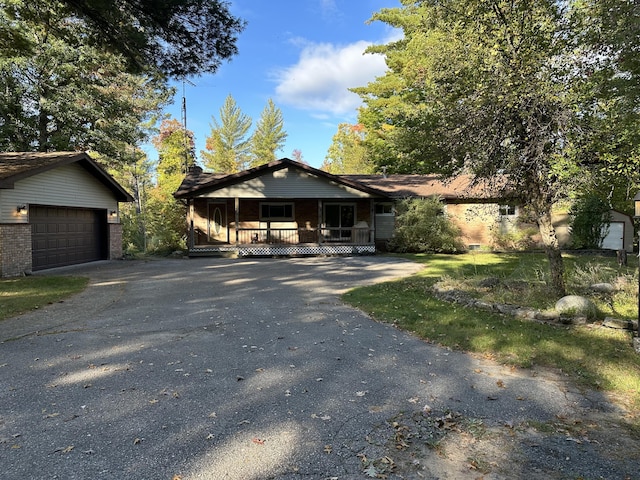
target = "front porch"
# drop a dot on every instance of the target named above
(290, 242)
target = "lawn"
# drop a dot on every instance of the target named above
(20, 295)
(595, 357)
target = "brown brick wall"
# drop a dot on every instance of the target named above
(115, 241)
(15, 249)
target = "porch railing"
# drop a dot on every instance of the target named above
(294, 236)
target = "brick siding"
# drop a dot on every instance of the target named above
(115, 241)
(15, 250)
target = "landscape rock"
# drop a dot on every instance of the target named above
(489, 282)
(617, 323)
(602, 287)
(576, 305)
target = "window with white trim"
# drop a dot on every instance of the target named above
(507, 210)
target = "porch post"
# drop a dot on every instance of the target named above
(191, 230)
(237, 208)
(319, 222)
(372, 218)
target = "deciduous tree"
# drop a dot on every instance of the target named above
(493, 88)
(347, 153)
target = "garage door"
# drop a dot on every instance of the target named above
(67, 236)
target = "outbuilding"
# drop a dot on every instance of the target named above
(57, 209)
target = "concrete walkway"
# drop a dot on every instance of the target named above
(232, 369)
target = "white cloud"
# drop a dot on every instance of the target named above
(320, 80)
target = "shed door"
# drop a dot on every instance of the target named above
(66, 236)
(615, 238)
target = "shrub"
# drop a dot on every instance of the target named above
(590, 219)
(422, 226)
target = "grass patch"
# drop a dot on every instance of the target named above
(595, 357)
(20, 295)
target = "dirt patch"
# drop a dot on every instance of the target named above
(443, 445)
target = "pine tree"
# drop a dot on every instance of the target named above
(269, 136)
(227, 147)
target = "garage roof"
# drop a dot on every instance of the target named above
(15, 166)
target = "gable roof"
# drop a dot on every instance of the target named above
(15, 166)
(456, 188)
(197, 182)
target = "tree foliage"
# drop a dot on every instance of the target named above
(228, 145)
(347, 153)
(590, 217)
(499, 86)
(165, 215)
(422, 226)
(174, 37)
(268, 137)
(67, 95)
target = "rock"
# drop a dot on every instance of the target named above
(576, 305)
(602, 287)
(490, 282)
(617, 323)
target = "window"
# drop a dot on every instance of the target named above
(507, 210)
(339, 218)
(276, 211)
(384, 209)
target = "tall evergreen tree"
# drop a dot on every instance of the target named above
(66, 95)
(269, 135)
(174, 37)
(227, 147)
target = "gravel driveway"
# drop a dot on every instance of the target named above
(253, 369)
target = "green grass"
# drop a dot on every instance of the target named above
(594, 356)
(24, 294)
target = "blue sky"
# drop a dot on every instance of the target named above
(304, 55)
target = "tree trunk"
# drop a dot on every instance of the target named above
(552, 249)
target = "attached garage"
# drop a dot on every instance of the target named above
(56, 209)
(67, 236)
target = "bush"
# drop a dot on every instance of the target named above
(590, 219)
(422, 226)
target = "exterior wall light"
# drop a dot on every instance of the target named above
(113, 213)
(21, 209)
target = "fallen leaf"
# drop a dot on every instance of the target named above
(414, 400)
(210, 436)
(257, 441)
(361, 394)
(328, 449)
(500, 384)
(137, 441)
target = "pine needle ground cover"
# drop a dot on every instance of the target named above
(594, 356)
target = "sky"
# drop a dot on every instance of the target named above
(304, 55)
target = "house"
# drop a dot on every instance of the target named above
(56, 209)
(280, 208)
(289, 208)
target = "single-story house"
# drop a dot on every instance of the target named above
(56, 209)
(280, 208)
(289, 208)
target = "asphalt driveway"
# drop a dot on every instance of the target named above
(237, 369)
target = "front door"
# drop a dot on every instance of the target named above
(217, 223)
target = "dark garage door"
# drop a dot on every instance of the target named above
(66, 236)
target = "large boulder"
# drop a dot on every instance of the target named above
(577, 306)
